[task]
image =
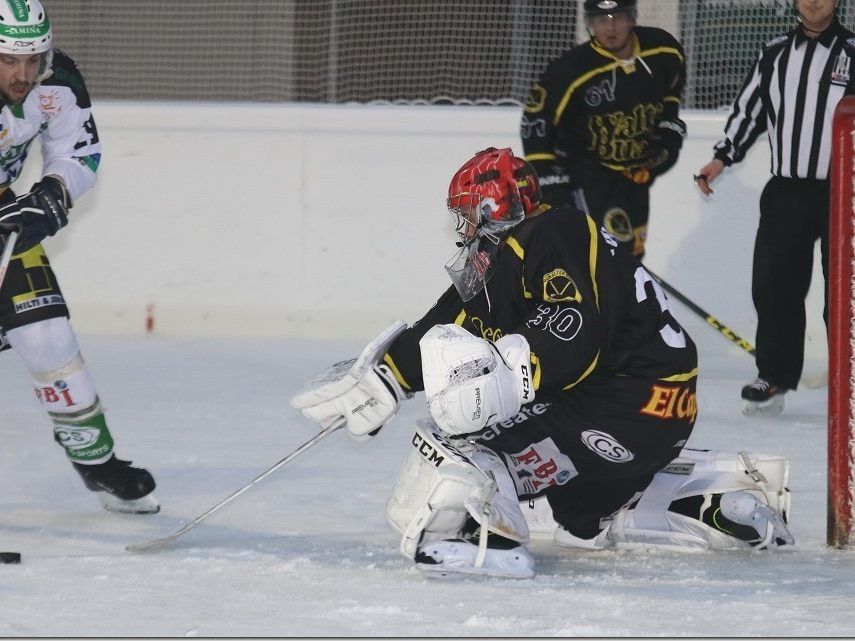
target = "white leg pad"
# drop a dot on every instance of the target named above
(754, 492)
(444, 481)
(753, 488)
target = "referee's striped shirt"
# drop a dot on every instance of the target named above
(791, 93)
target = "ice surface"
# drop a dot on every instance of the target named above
(308, 551)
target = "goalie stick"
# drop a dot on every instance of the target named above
(157, 544)
(811, 381)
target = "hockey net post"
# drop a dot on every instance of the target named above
(841, 329)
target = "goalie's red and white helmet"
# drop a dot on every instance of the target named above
(501, 188)
(489, 195)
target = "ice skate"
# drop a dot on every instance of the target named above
(120, 487)
(762, 398)
(454, 557)
(746, 509)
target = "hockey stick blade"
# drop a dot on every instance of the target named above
(157, 544)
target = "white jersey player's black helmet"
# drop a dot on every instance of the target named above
(25, 29)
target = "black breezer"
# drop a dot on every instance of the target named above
(614, 373)
(30, 291)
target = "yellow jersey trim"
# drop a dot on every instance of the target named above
(682, 377)
(586, 372)
(544, 156)
(637, 53)
(514, 245)
(592, 259)
(535, 363)
(398, 376)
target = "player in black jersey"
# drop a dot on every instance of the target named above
(552, 367)
(603, 122)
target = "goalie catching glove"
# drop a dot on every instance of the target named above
(38, 214)
(471, 383)
(361, 391)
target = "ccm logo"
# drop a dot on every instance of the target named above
(606, 445)
(428, 451)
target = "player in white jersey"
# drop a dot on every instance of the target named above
(43, 96)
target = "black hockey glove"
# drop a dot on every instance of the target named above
(38, 214)
(667, 142)
(663, 152)
(556, 188)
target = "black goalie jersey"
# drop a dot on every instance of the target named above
(591, 107)
(594, 318)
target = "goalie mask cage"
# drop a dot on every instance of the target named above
(841, 329)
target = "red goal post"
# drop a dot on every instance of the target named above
(841, 329)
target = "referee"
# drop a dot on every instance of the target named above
(791, 93)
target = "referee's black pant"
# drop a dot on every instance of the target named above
(793, 214)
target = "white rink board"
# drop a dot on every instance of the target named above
(311, 220)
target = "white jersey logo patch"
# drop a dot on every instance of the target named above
(607, 446)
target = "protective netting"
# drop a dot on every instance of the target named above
(395, 51)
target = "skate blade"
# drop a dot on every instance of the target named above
(147, 504)
(453, 573)
(772, 407)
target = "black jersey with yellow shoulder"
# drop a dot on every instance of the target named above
(589, 310)
(590, 106)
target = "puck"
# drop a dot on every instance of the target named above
(10, 557)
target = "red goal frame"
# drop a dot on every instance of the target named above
(841, 327)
